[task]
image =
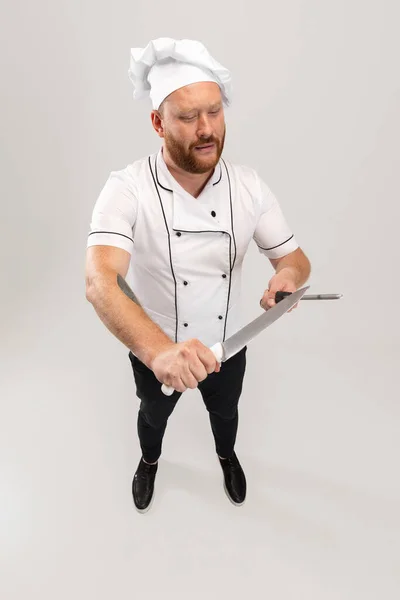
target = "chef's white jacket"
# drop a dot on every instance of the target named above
(187, 253)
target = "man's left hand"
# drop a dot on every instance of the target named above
(280, 282)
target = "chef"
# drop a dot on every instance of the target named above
(176, 226)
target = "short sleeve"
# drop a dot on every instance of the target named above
(272, 234)
(114, 214)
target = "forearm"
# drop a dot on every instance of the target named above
(125, 319)
(298, 265)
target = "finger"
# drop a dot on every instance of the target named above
(263, 303)
(206, 359)
(176, 383)
(274, 287)
(271, 298)
(198, 370)
(188, 378)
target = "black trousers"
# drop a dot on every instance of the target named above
(220, 391)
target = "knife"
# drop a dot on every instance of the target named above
(224, 350)
(232, 345)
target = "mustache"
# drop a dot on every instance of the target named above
(203, 142)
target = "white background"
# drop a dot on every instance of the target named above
(316, 112)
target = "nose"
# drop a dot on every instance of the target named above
(204, 129)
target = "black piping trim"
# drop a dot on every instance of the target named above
(230, 246)
(169, 246)
(231, 264)
(158, 181)
(230, 200)
(229, 288)
(201, 231)
(220, 175)
(113, 233)
(277, 246)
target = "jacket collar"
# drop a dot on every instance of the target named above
(168, 182)
(189, 213)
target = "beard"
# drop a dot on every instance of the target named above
(189, 159)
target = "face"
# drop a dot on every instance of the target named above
(191, 117)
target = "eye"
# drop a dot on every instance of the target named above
(187, 118)
(214, 112)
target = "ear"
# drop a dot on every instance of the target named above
(156, 121)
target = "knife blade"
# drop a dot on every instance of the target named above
(126, 289)
(224, 350)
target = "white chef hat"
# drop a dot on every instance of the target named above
(166, 65)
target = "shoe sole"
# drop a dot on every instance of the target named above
(230, 498)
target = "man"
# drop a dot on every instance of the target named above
(181, 221)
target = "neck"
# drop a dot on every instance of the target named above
(193, 183)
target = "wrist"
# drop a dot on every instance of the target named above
(290, 272)
(151, 353)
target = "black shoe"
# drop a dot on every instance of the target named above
(143, 485)
(234, 479)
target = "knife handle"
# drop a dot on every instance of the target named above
(281, 295)
(218, 352)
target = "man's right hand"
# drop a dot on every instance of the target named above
(184, 365)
